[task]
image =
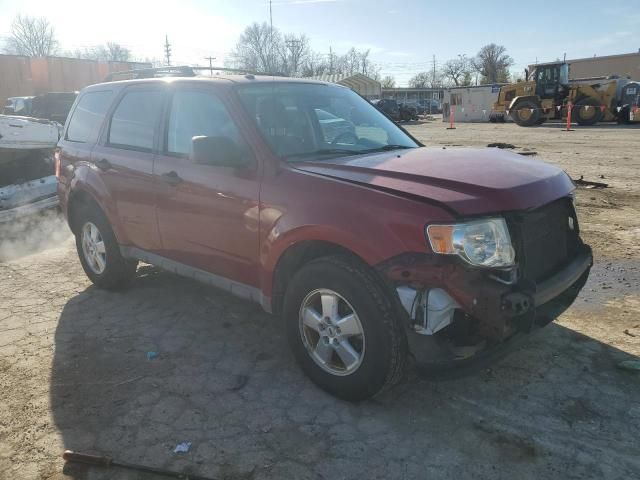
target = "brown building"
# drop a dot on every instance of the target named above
(623, 65)
(24, 76)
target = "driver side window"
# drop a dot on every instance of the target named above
(197, 113)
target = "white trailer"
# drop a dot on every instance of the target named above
(472, 103)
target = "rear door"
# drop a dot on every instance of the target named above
(207, 213)
(83, 129)
(125, 158)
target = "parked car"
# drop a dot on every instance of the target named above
(388, 106)
(20, 106)
(431, 105)
(27, 181)
(53, 105)
(370, 246)
(408, 112)
(419, 108)
(50, 106)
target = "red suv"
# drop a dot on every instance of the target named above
(302, 197)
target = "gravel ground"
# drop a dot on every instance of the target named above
(75, 372)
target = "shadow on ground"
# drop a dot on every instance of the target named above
(223, 379)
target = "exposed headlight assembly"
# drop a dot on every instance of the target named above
(484, 243)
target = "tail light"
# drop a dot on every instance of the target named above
(56, 163)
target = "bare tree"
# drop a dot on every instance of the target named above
(110, 52)
(426, 80)
(314, 65)
(31, 36)
(457, 69)
(420, 80)
(492, 62)
(388, 82)
(117, 53)
(258, 49)
(294, 54)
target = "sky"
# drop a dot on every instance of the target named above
(403, 36)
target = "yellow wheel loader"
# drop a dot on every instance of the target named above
(547, 93)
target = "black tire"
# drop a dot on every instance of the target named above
(624, 116)
(118, 271)
(587, 116)
(522, 115)
(385, 353)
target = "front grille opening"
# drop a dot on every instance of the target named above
(546, 239)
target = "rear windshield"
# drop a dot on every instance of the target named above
(317, 121)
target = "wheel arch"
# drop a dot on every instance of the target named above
(516, 100)
(78, 199)
(295, 257)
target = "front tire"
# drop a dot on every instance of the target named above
(526, 113)
(587, 112)
(99, 251)
(342, 329)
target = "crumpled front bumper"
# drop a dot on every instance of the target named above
(498, 310)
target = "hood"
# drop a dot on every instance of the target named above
(468, 181)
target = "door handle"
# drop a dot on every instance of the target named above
(103, 164)
(171, 178)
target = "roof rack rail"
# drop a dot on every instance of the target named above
(180, 71)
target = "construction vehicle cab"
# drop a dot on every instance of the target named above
(552, 81)
(629, 103)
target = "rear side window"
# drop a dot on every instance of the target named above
(87, 117)
(134, 120)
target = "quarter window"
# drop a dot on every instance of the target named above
(84, 126)
(195, 114)
(135, 119)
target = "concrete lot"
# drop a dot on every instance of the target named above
(74, 371)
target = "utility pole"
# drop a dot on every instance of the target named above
(330, 61)
(167, 50)
(211, 59)
(433, 83)
(270, 36)
(293, 45)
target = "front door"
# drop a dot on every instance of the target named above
(207, 211)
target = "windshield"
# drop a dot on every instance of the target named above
(318, 121)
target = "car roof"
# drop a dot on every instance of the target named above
(227, 80)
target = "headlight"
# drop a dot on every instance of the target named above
(484, 243)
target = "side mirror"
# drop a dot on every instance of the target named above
(218, 151)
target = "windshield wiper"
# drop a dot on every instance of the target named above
(323, 151)
(386, 148)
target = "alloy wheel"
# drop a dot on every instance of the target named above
(93, 248)
(331, 332)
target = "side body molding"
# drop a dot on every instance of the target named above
(238, 289)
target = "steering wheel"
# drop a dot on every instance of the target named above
(345, 136)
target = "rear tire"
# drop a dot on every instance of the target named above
(522, 114)
(377, 343)
(99, 251)
(587, 116)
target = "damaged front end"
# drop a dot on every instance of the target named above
(457, 312)
(27, 176)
